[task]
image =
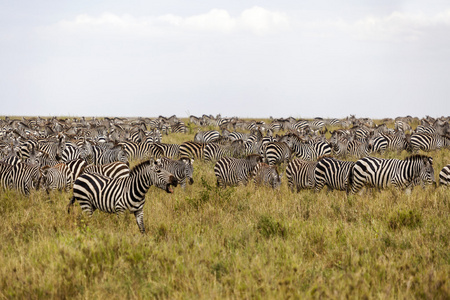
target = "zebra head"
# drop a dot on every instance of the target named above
(162, 178)
(427, 171)
(189, 169)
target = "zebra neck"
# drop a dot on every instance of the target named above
(139, 184)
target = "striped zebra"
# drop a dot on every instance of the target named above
(167, 150)
(76, 166)
(117, 169)
(444, 176)
(381, 173)
(140, 151)
(107, 155)
(53, 148)
(308, 151)
(179, 128)
(25, 177)
(428, 142)
(403, 126)
(5, 175)
(277, 152)
(192, 150)
(232, 171)
(206, 136)
(428, 129)
(265, 175)
(182, 169)
(358, 148)
(333, 173)
(58, 177)
(117, 195)
(300, 174)
(316, 125)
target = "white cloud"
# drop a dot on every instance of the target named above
(401, 26)
(398, 26)
(256, 20)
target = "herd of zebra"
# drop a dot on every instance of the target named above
(92, 156)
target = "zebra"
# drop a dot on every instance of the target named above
(403, 126)
(25, 177)
(300, 174)
(140, 150)
(77, 167)
(308, 151)
(53, 148)
(444, 176)
(358, 148)
(192, 150)
(117, 195)
(316, 125)
(266, 175)
(5, 175)
(179, 128)
(58, 177)
(381, 173)
(182, 169)
(110, 155)
(429, 129)
(232, 171)
(277, 152)
(206, 136)
(117, 169)
(333, 173)
(428, 142)
(167, 150)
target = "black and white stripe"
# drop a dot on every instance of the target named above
(428, 142)
(444, 176)
(232, 171)
(333, 173)
(300, 174)
(117, 169)
(117, 195)
(381, 173)
(182, 169)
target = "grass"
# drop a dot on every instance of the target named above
(242, 242)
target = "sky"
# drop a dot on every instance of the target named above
(248, 59)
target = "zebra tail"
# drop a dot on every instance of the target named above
(72, 201)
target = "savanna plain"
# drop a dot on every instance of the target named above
(241, 242)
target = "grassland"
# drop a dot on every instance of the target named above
(243, 242)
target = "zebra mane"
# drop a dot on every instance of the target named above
(416, 157)
(137, 168)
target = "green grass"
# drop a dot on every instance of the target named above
(242, 242)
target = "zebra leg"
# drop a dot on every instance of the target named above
(139, 214)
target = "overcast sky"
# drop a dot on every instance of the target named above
(327, 58)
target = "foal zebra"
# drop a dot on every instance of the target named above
(266, 175)
(117, 195)
(381, 173)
